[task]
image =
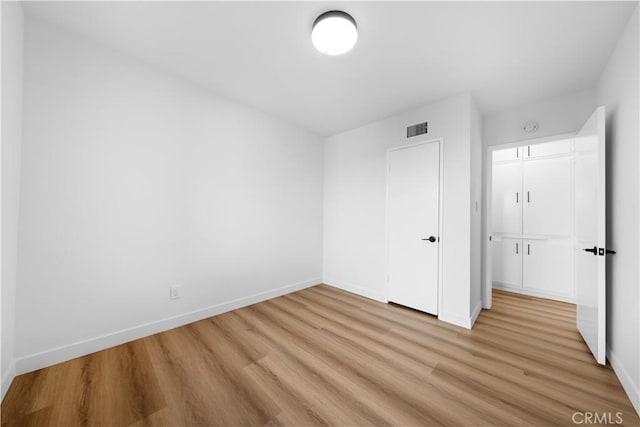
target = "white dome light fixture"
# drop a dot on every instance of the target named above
(334, 33)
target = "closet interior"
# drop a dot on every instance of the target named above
(532, 226)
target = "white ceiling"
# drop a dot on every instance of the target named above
(408, 53)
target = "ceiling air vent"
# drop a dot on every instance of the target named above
(419, 129)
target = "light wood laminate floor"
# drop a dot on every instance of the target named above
(322, 356)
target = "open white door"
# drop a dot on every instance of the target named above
(413, 226)
(590, 231)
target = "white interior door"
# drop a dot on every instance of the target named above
(590, 233)
(413, 224)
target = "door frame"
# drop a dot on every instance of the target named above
(487, 283)
(440, 142)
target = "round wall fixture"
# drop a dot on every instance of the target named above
(530, 127)
(334, 32)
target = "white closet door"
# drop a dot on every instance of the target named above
(507, 262)
(506, 211)
(547, 197)
(547, 266)
(413, 226)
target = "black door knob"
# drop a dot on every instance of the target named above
(593, 250)
(431, 239)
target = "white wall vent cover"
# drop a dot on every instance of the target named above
(418, 129)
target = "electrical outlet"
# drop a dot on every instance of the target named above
(174, 292)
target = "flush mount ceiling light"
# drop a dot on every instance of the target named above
(334, 32)
(530, 127)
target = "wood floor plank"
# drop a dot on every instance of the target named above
(322, 356)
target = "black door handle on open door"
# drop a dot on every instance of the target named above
(593, 250)
(431, 239)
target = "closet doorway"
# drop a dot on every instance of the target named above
(546, 224)
(532, 218)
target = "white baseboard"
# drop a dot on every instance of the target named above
(81, 348)
(462, 321)
(354, 289)
(7, 379)
(528, 292)
(628, 384)
(454, 319)
(475, 313)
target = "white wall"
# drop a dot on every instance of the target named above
(476, 210)
(555, 116)
(133, 181)
(12, 67)
(355, 203)
(618, 91)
